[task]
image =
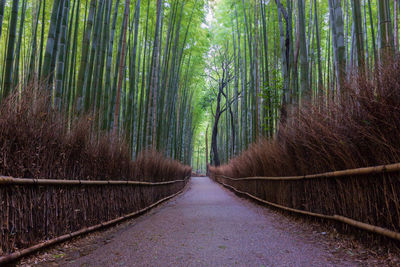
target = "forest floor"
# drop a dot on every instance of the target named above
(208, 225)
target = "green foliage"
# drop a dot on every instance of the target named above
(182, 109)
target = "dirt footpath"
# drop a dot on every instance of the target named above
(208, 226)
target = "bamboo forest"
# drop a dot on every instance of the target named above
(250, 93)
(152, 70)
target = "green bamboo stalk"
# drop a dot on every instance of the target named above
(72, 63)
(336, 24)
(2, 5)
(51, 39)
(94, 52)
(41, 49)
(121, 72)
(34, 44)
(18, 46)
(132, 78)
(10, 49)
(98, 82)
(69, 57)
(372, 32)
(116, 76)
(304, 82)
(61, 56)
(84, 57)
(108, 89)
(386, 32)
(357, 18)
(317, 33)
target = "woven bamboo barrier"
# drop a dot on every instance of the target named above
(366, 198)
(24, 252)
(36, 211)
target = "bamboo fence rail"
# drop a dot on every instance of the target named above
(369, 194)
(24, 252)
(6, 180)
(353, 172)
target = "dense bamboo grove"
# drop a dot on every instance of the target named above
(130, 64)
(171, 74)
(278, 55)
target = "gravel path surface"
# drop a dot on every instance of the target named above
(209, 226)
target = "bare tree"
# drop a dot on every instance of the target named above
(220, 75)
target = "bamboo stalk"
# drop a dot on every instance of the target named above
(339, 218)
(24, 252)
(352, 172)
(5, 180)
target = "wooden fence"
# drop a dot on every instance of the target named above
(36, 213)
(366, 198)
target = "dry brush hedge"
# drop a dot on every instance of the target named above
(362, 129)
(373, 199)
(36, 142)
(34, 213)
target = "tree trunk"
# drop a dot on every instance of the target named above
(207, 147)
(214, 146)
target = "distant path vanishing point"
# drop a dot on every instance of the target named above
(210, 226)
